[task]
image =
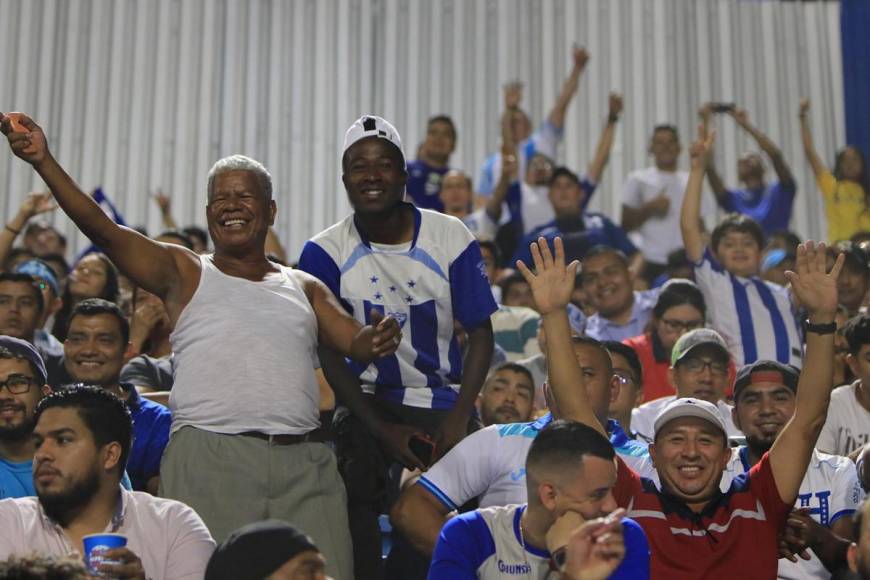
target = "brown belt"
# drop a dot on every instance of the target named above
(316, 436)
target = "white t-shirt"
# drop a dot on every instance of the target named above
(659, 236)
(830, 488)
(848, 424)
(643, 418)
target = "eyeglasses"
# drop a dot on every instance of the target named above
(17, 384)
(697, 365)
(681, 325)
(623, 378)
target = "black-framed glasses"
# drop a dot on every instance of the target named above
(17, 384)
(697, 365)
(681, 325)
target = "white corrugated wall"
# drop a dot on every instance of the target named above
(137, 95)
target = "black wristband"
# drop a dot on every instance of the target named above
(558, 557)
(612, 118)
(826, 328)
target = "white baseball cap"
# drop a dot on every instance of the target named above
(690, 407)
(372, 126)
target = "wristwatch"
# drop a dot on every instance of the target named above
(824, 328)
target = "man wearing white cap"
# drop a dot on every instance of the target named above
(424, 269)
(695, 529)
(244, 443)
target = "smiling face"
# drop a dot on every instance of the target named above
(762, 411)
(94, 349)
(677, 321)
(739, 253)
(88, 277)
(16, 409)
(608, 284)
(690, 455)
(702, 374)
(238, 213)
(374, 176)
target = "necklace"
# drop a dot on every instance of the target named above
(523, 545)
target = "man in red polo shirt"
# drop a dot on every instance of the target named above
(694, 529)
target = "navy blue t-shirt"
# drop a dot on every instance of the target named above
(770, 206)
(424, 185)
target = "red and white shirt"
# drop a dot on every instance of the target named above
(735, 536)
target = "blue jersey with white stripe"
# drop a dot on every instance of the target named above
(425, 285)
(487, 544)
(753, 316)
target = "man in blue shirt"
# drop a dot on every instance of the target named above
(427, 171)
(770, 204)
(570, 470)
(94, 354)
(22, 386)
(580, 231)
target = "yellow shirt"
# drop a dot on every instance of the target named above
(844, 207)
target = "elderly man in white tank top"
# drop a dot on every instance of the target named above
(245, 400)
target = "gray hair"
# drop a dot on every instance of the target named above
(242, 163)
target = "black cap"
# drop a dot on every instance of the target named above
(765, 371)
(25, 350)
(256, 550)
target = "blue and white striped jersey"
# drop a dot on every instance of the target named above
(425, 285)
(544, 140)
(753, 316)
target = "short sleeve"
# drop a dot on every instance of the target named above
(627, 484)
(464, 543)
(631, 191)
(635, 563)
(190, 544)
(846, 491)
(827, 183)
(469, 287)
(465, 471)
(138, 372)
(726, 201)
(486, 183)
(315, 261)
(588, 186)
(763, 486)
(827, 442)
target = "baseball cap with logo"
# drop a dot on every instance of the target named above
(372, 126)
(695, 338)
(766, 371)
(690, 407)
(41, 271)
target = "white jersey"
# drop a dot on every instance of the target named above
(830, 488)
(643, 418)
(490, 464)
(428, 284)
(753, 316)
(480, 224)
(848, 425)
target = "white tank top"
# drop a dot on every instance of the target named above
(245, 354)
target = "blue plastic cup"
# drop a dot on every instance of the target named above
(96, 545)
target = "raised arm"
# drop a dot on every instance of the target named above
(783, 172)
(34, 204)
(807, 137)
(164, 203)
(817, 292)
(569, 88)
(690, 214)
(713, 177)
(552, 284)
(157, 267)
(605, 142)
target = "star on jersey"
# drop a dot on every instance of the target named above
(408, 299)
(374, 279)
(411, 283)
(378, 295)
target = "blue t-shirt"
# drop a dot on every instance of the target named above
(151, 424)
(424, 184)
(16, 479)
(770, 206)
(579, 236)
(486, 544)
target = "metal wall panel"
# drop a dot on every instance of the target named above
(140, 95)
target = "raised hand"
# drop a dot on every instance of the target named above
(163, 201)
(706, 111)
(741, 116)
(580, 56)
(702, 147)
(552, 282)
(513, 94)
(36, 203)
(614, 104)
(26, 138)
(804, 107)
(813, 286)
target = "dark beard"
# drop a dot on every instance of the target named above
(19, 433)
(64, 506)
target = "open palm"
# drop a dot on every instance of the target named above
(552, 282)
(813, 286)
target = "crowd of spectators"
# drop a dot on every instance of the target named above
(456, 380)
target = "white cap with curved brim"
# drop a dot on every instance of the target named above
(689, 407)
(372, 126)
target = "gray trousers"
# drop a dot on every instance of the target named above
(233, 480)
